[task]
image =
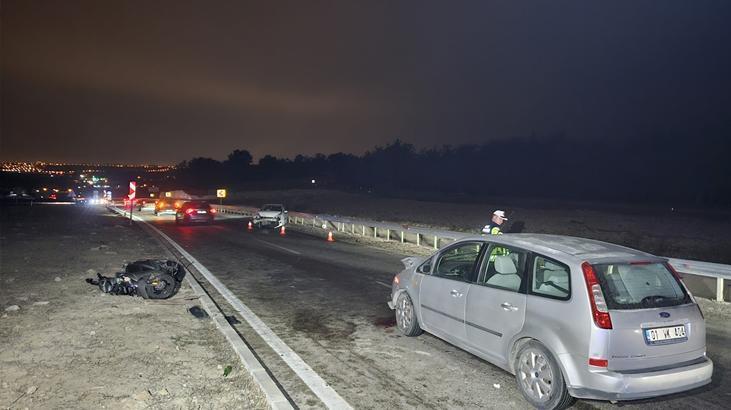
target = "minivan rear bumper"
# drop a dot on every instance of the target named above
(610, 385)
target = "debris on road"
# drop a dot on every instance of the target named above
(148, 279)
(12, 308)
(198, 312)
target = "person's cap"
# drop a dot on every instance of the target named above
(500, 214)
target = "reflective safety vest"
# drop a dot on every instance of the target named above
(492, 230)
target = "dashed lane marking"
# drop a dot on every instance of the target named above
(277, 246)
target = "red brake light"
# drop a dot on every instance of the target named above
(212, 210)
(599, 310)
(189, 211)
(598, 362)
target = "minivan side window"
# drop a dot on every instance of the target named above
(457, 262)
(425, 267)
(503, 268)
(550, 278)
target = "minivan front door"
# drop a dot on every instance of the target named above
(443, 293)
(443, 306)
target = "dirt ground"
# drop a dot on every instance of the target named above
(65, 344)
(671, 232)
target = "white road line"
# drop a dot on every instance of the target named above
(384, 284)
(277, 246)
(327, 394)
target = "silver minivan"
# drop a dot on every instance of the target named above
(569, 317)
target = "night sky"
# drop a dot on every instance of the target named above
(164, 81)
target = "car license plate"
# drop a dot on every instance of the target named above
(201, 212)
(665, 335)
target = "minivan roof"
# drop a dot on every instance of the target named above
(580, 249)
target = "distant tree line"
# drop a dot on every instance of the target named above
(648, 171)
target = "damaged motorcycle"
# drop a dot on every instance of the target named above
(148, 279)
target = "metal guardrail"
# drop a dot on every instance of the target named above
(421, 236)
(707, 269)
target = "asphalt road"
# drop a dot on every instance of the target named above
(327, 301)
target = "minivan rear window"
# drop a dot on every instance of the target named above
(638, 286)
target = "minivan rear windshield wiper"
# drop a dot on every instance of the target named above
(658, 301)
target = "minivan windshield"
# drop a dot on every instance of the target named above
(638, 286)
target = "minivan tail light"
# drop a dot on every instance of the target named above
(599, 310)
(189, 211)
(598, 362)
(680, 279)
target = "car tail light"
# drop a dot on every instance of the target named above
(598, 362)
(396, 280)
(189, 211)
(212, 210)
(680, 279)
(599, 310)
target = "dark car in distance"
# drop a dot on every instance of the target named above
(195, 212)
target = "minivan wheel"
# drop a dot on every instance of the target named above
(539, 378)
(406, 316)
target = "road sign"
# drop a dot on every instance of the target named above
(168, 194)
(132, 190)
(220, 193)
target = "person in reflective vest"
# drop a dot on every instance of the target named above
(493, 228)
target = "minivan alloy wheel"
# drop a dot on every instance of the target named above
(406, 319)
(404, 313)
(535, 374)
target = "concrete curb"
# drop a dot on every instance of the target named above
(276, 399)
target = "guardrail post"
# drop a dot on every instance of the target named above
(388, 235)
(375, 232)
(719, 289)
(436, 242)
(402, 236)
(352, 229)
(418, 239)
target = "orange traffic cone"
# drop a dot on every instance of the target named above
(330, 236)
(250, 227)
(282, 231)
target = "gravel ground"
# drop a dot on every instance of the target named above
(67, 345)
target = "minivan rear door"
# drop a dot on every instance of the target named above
(655, 322)
(495, 310)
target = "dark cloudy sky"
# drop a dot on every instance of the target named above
(163, 81)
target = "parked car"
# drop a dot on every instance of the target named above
(569, 317)
(195, 212)
(271, 215)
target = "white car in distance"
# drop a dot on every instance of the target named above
(271, 215)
